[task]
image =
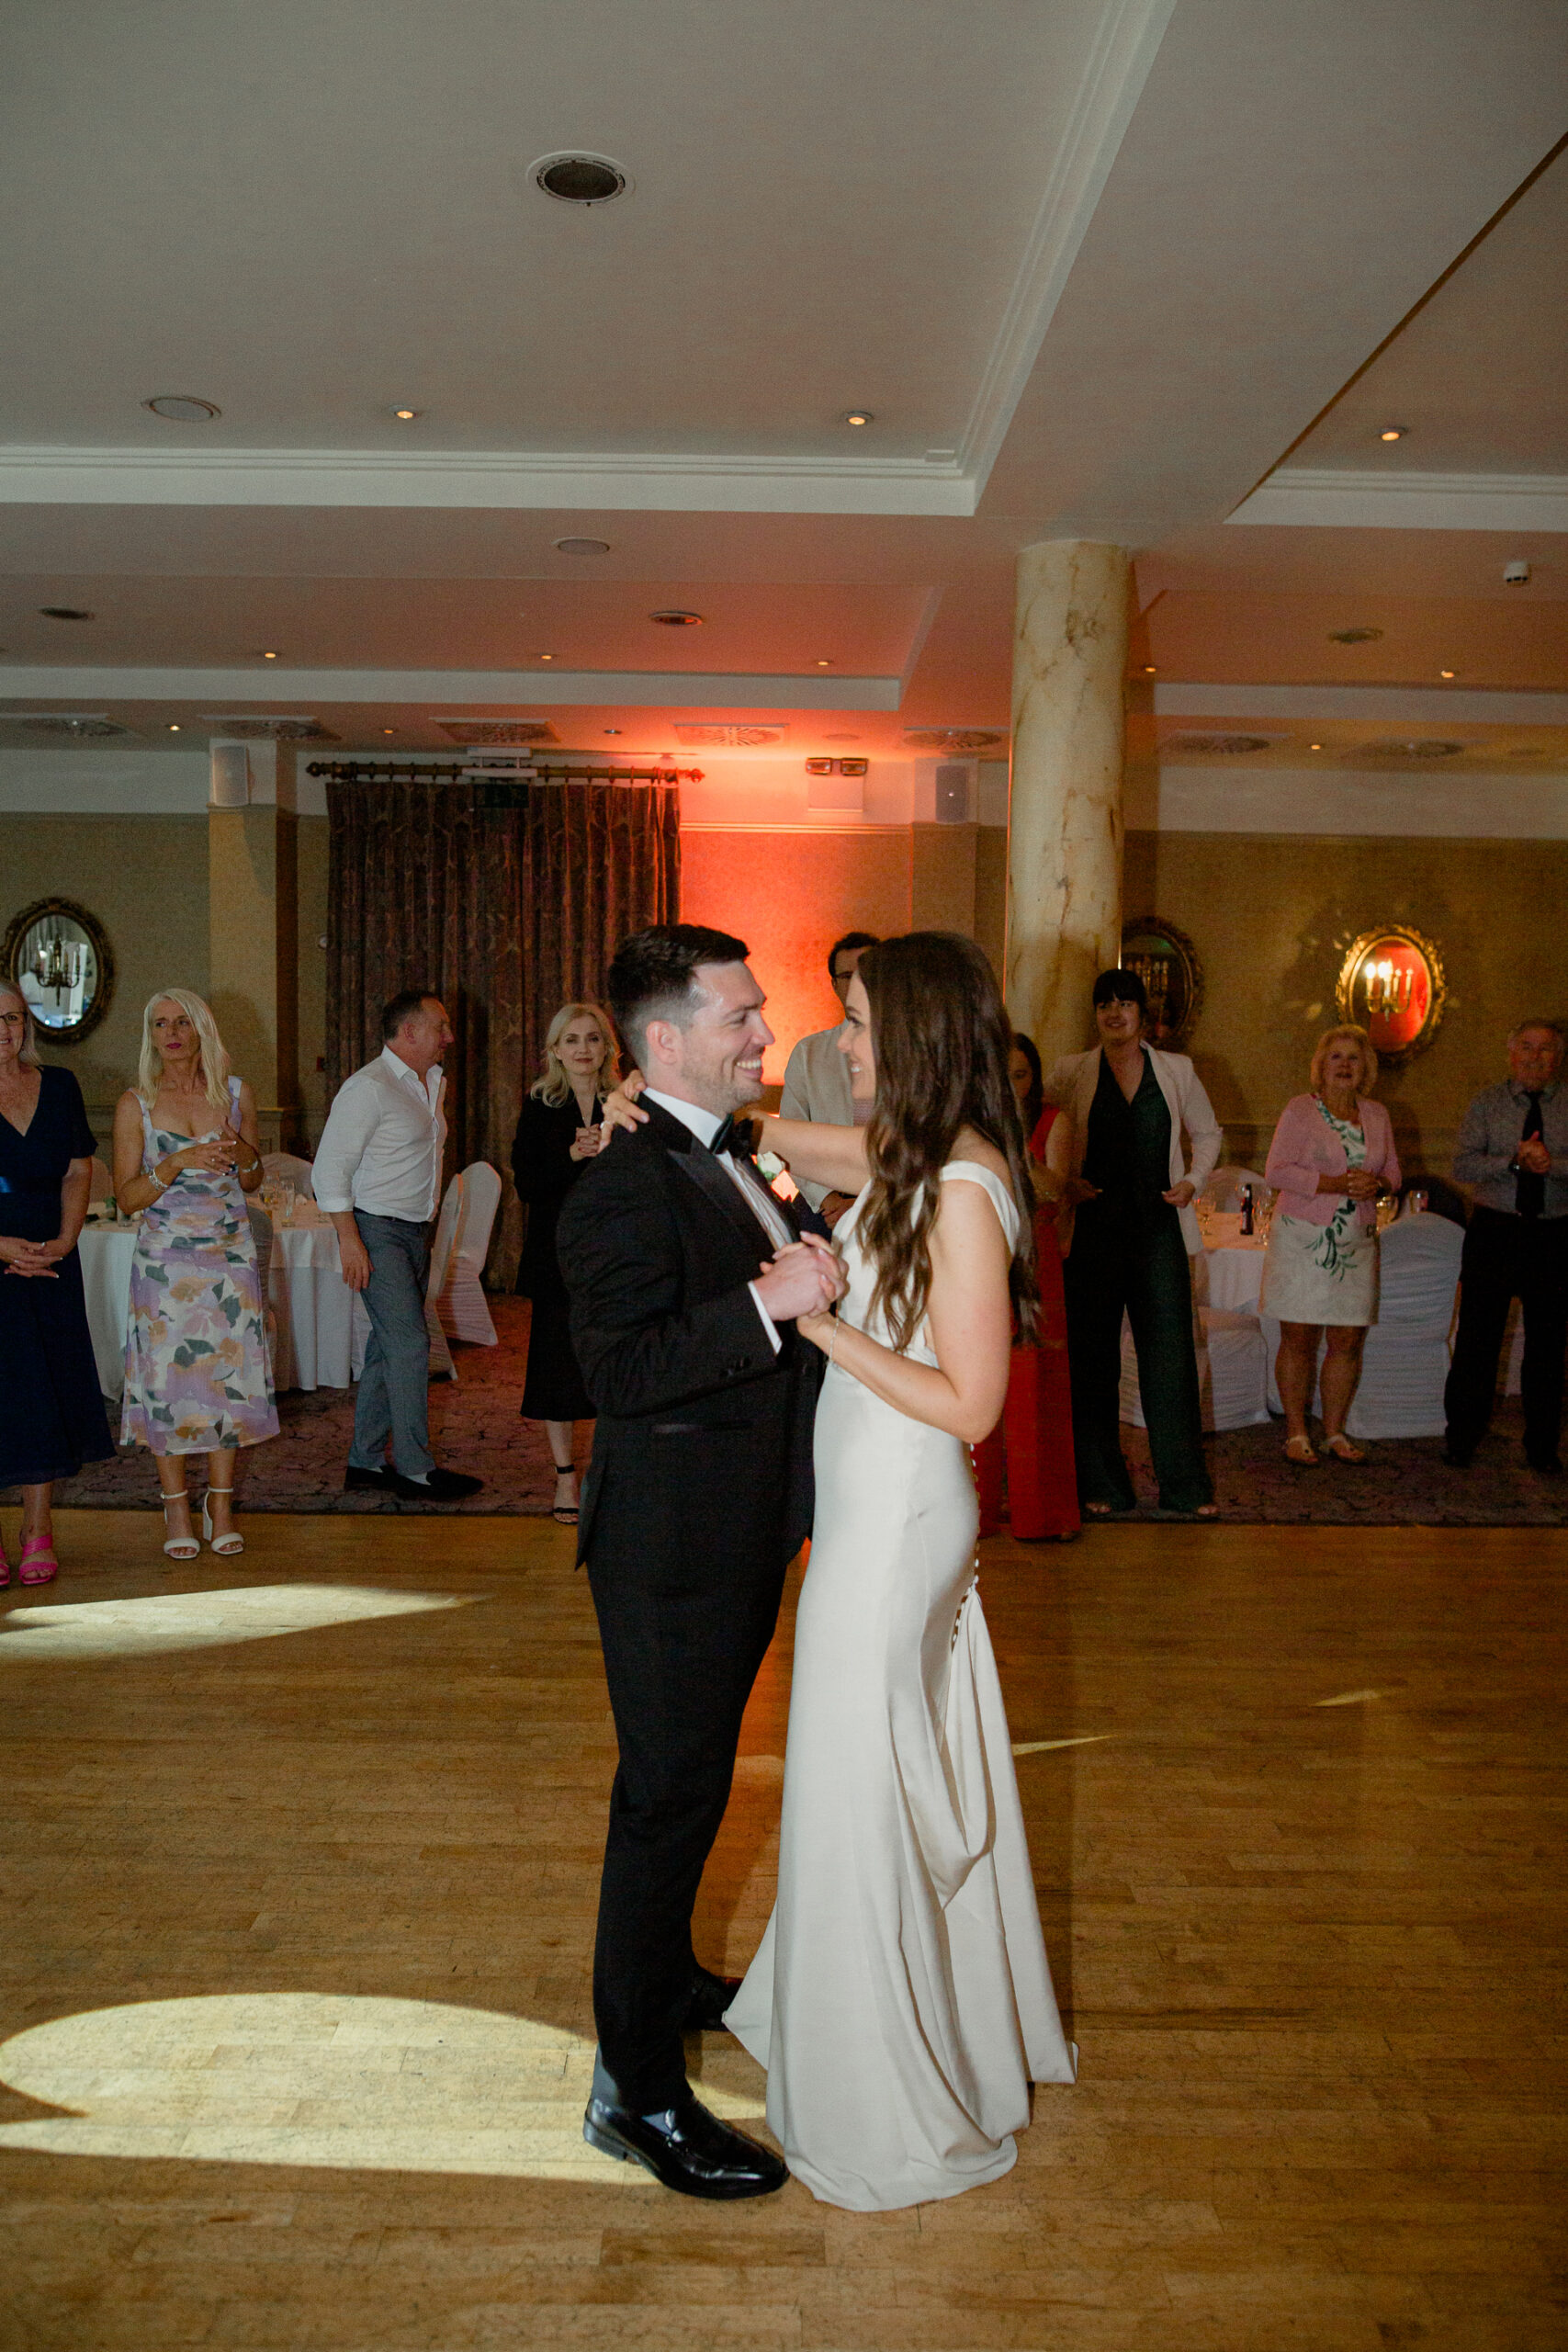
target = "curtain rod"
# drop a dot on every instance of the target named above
(427, 771)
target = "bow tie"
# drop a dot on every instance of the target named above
(734, 1137)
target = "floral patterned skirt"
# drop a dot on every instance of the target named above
(1314, 1273)
(196, 1374)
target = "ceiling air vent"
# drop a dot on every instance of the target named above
(474, 734)
(70, 727)
(574, 177)
(954, 740)
(1425, 747)
(1354, 635)
(268, 731)
(727, 736)
(1218, 747)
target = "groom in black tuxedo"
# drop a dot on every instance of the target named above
(686, 1276)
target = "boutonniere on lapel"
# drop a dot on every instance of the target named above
(774, 1173)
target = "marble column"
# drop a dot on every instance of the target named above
(1063, 916)
(252, 944)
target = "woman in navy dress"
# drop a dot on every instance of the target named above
(557, 1134)
(52, 1415)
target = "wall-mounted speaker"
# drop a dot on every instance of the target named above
(229, 781)
(954, 792)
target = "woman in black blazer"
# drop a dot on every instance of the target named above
(557, 1134)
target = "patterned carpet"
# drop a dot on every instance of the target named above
(476, 1426)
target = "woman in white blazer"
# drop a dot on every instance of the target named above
(1133, 1232)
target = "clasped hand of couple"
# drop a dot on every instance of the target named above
(797, 1284)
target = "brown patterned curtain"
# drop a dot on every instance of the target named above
(507, 900)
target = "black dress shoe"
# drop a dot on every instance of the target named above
(1545, 1465)
(686, 2148)
(355, 1478)
(1456, 1457)
(711, 1995)
(441, 1486)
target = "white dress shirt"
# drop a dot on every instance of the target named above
(771, 1218)
(381, 1147)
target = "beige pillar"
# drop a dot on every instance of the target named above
(1064, 917)
(252, 928)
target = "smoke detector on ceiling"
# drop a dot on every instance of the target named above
(252, 730)
(952, 739)
(727, 735)
(474, 734)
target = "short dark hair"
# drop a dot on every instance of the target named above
(401, 1008)
(849, 939)
(651, 977)
(1121, 987)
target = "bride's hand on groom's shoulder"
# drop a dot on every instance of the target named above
(620, 1108)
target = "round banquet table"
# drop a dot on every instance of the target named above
(1228, 1273)
(317, 1327)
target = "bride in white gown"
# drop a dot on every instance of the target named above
(901, 1998)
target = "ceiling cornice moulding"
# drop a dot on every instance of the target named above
(1328, 499)
(458, 689)
(1377, 706)
(599, 482)
(1124, 50)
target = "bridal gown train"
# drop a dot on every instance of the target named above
(901, 1999)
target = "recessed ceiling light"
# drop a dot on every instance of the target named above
(573, 177)
(1150, 670)
(859, 416)
(823, 663)
(1314, 747)
(183, 408)
(612, 730)
(269, 657)
(406, 415)
(547, 656)
(174, 726)
(674, 620)
(1393, 433)
(388, 730)
(581, 546)
(1445, 673)
(64, 612)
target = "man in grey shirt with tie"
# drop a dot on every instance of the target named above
(1513, 1153)
(377, 1176)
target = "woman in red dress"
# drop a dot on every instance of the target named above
(1032, 1450)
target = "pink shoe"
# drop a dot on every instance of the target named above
(5, 1566)
(38, 1563)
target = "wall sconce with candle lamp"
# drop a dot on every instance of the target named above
(1391, 983)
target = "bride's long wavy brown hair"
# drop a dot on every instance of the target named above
(942, 1041)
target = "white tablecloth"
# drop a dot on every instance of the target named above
(1230, 1275)
(312, 1307)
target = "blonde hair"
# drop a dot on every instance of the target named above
(28, 1054)
(213, 1061)
(1368, 1076)
(555, 1086)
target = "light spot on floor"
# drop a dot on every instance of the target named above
(1039, 1746)
(355, 2082)
(1350, 1698)
(193, 1621)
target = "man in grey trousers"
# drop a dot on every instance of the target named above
(377, 1176)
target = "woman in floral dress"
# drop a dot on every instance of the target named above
(196, 1374)
(1332, 1155)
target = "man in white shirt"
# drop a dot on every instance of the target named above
(377, 1176)
(817, 1076)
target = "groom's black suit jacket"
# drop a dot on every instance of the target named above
(702, 1452)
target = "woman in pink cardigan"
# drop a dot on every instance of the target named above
(1332, 1155)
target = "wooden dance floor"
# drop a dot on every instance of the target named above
(299, 1862)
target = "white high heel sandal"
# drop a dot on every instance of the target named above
(178, 1547)
(227, 1545)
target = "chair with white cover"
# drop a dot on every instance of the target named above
(262, 1235)
(100, 1184)
(1231, 1371)
(288, 1168)
(461, 1299)
(1405, 1361)
(441, 1248)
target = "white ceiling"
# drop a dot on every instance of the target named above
(1097, 266)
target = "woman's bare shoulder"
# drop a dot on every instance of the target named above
(970, 1144)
